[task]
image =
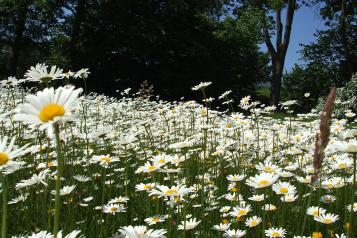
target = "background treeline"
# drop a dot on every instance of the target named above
(176, 44)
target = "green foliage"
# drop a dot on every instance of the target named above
(325, 67)
(346, 99)
(313, 80)
(171, 44)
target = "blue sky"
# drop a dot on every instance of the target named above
(306, 22)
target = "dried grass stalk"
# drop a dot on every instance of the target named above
(322, 138)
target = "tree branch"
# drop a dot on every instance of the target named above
(267, 40)
(289, 21)
(279, 29)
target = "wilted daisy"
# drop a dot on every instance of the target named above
(39, 73)
(327, 218)
(8, 152)
(48, 106)
(275, 232)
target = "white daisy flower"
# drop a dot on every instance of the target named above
(275, 232)
(8, 152)
(327, 218)
(141, 232)
(48, 106)
(39, 73)
(188, 225)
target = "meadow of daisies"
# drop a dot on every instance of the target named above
(74, 164)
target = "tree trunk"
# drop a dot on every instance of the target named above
(279, 52)
(276, 83)
(20, 28)
(75, 33)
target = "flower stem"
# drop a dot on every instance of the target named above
(58, 181)
(4, 207)
(353, 194)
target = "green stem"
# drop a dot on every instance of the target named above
(4, 207)
(307, 206)
(58, 181)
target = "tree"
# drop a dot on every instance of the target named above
(341, 14)
(324, 67)
(272, 24)
(171, 44)
(25, 29)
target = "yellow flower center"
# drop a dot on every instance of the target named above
(51, 111)
(275, 234)
(228, 125)
(151, 168)
(105, 159)
(155, 219)
(254, 223)
(327, 221)
(113, 209)
(162, 161)
(268, 169)
(234, 189)
(171, 192)
(263, 182)
(317, 235)
(342, 165)
(4, 158)
(315, 213)
(147, 187)
(329, 185)
(284, 190)
(242, 213)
